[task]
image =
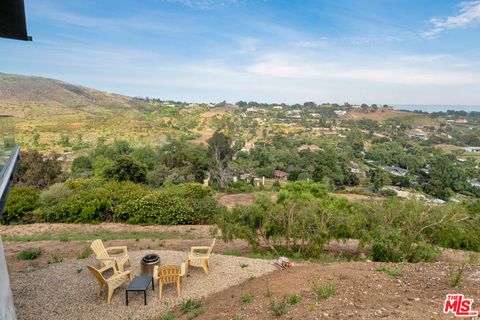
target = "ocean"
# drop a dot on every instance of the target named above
(435, 108)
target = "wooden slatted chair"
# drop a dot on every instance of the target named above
(168, 274)
(105, 258)
(116, 280)
(198, 256)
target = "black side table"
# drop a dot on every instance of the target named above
(140, 283)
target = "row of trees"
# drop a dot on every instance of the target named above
(304, 218)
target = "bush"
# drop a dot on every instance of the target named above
(239, 187)
(125, 168)
(387, 193)
(188, 203)
(90, 201)
(30, 254)
(20, 203)
(37, 170)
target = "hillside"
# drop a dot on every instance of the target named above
(384, 114)
(52, 115)
(39, 95)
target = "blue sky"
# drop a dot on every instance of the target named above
(382, 51)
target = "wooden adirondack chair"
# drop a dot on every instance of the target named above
(103, 256)
(116, 280)
(198, 256)
(168, 274)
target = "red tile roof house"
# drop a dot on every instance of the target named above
(281, 175)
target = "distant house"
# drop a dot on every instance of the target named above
(281, 175)
(461, 121)
(252, 109)
(472, 149)
(277, 108)
(309, 147)
(418, 134)
(340, 112)
(293, 113)
(475, 183)
(396, 171)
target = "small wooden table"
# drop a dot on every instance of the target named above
(140, 283)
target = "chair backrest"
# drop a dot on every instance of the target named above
(99, 249)
(97, 274)
(169, 274)
(211, 246)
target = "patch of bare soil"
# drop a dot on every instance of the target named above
(361, 292)
(386, 114)
(65, 228)
(231, 200)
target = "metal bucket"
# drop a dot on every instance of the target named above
(148, 263)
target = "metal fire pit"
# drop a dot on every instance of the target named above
(148, 262)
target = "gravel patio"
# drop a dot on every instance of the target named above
(62, 291)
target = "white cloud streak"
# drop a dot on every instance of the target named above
(468, 15)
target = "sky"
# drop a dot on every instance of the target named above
(356, 51)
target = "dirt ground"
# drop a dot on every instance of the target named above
(362, 292)
(231, 200)
(172, 238)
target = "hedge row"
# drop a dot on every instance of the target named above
(94, 201)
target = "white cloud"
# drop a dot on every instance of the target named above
(468, 15)
(315, 44)
(206, 4)
(284, 66)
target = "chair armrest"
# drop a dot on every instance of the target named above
(111, 265)
(124, 248)
(119, 275)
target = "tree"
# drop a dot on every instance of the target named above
(37, 170)
(221, 153)
(125, 168)
(379, 179)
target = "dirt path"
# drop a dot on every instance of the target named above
(361, 292)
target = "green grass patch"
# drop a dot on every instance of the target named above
(294, 299)
(279, 309)
(85, 253)
(30, 254)
(190, 305)
(397, 272)
(323, 291)
(248, 298)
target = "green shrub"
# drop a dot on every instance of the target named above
(85, 253)
(30, 254)
(178, 204)
(91, 202)
(125, 168)
(240, 187)
(21, 202)
(279, 309)
(294, 299)
(189, 305)
(324, 291)
(248, 298)
(387, 193)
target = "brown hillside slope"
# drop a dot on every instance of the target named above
(383, 114)
(21, 95)
(361, 291)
